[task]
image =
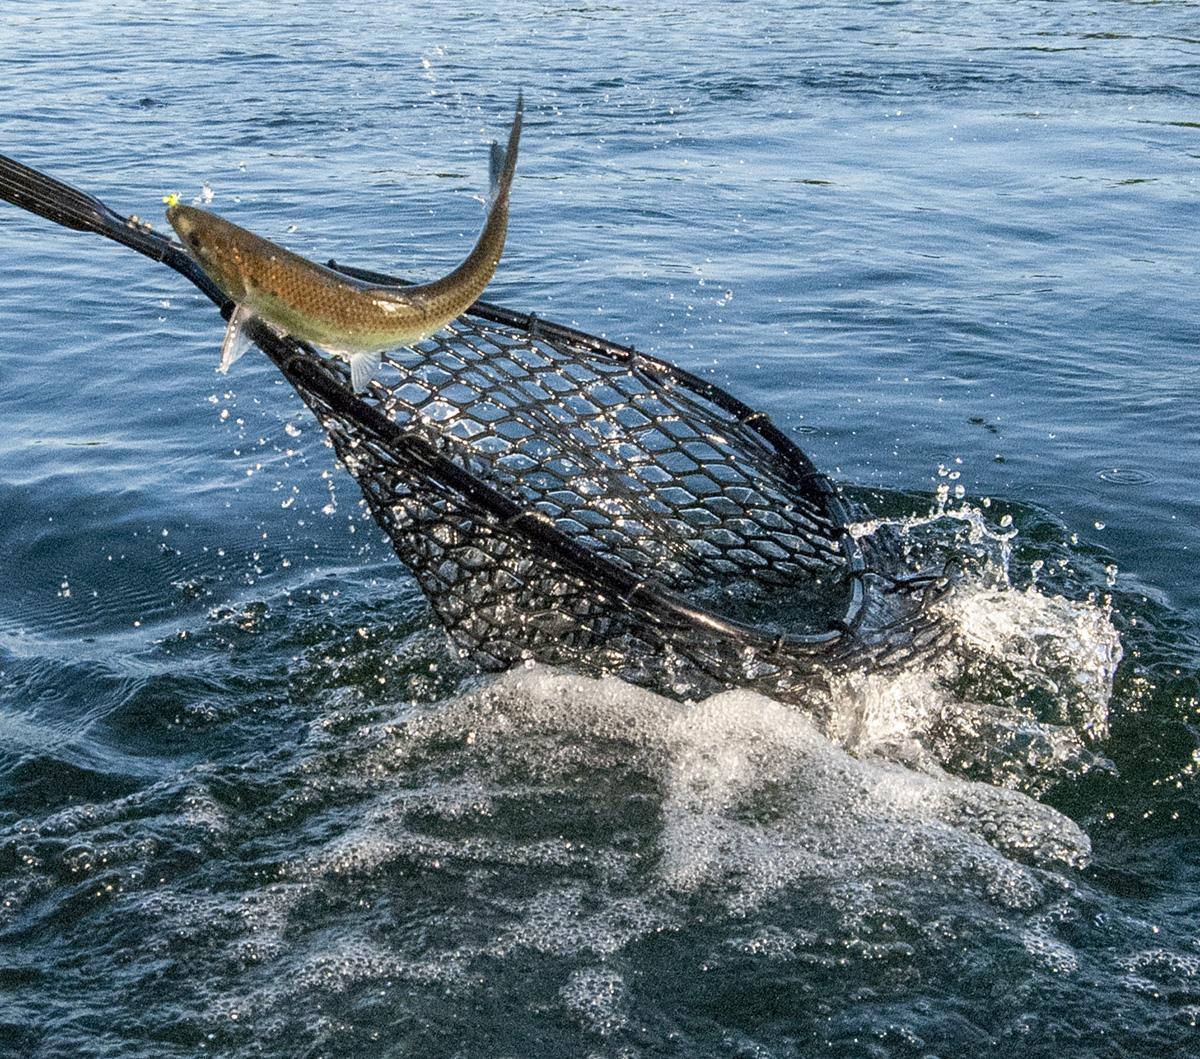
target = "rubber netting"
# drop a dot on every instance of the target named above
(563, 499)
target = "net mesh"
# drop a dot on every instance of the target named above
(562, 499)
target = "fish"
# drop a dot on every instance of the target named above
(347, 317)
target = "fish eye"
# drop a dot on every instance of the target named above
(195, 241)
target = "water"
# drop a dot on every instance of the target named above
(248, 803)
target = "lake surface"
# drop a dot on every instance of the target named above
(249, 805)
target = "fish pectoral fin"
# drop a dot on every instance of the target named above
(363, 366)
(236, 340)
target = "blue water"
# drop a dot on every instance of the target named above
(249, 805)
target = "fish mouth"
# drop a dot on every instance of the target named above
(179, 218)
(193, 231)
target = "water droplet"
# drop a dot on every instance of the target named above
(1125, 476)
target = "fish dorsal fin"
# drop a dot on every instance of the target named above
(236, 340)
(362, 367)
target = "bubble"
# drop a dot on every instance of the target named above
(595, 996)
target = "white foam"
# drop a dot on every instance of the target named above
(737, 799)
(565, 819)
(755, 793)
(754, 798)
(1068, 647)
(595, 996)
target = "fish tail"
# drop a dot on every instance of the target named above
(503, 160)
(446, 298)
(497, 169)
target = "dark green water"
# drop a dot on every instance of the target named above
(249, 805)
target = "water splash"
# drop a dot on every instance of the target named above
(585, 825)
(1021, 698)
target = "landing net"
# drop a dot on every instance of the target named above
(563, 499)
